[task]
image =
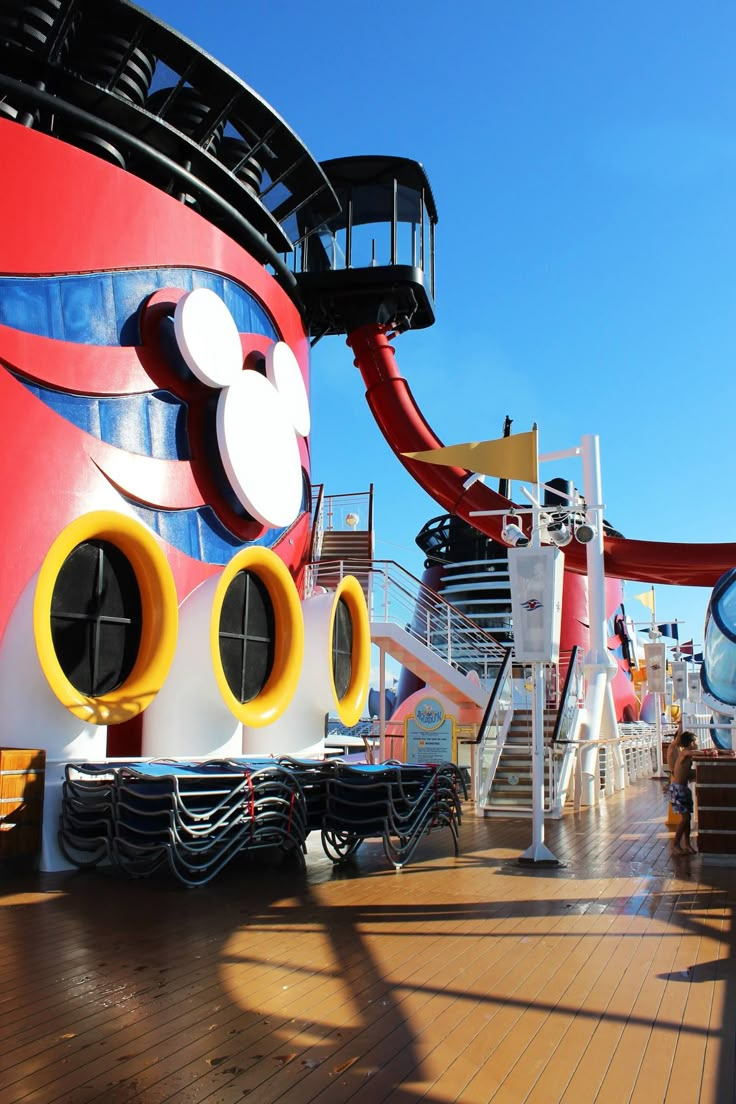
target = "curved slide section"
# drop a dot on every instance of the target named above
(718, 673)
(404, 427)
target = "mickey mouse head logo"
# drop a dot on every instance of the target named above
(532, 604)
(259, 418)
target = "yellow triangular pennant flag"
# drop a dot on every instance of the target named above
(512, 457)
(647, 599)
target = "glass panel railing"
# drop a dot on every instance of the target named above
(569, 699)
(492, 729)
(348, 513)
(562, 749)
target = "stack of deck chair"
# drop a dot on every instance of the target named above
(190, 817)
(398, 803)
(312, 775)
(86, 827)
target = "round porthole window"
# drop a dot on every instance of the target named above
(256, 636)
(342, 648)
(96, 616)
(247, 631)
(105, 617)
(350, 649)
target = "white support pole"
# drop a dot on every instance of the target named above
(658, 731)
(599, 666)
(382, 705)
(537, 852)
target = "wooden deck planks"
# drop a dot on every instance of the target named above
(719, 1063)
(422, 995)
(529, 1059)
(575, 1023)
(698, 981)
(464, 979)
(613, 1018)
(431, 1021)
(597, 985)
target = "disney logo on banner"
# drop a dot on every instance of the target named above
(532, 604)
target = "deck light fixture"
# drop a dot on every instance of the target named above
(559, 532)
(513, 534)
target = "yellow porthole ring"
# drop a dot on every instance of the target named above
(160, 617)
(350, 705)
(273, 699)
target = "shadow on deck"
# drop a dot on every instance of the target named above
(469, 978)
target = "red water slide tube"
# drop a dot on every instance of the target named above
(404, 427)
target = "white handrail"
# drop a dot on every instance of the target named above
(397, 597)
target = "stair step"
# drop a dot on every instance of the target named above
(509, 808)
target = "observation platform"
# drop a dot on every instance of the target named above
(465, 979)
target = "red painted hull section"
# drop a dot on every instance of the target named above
(63, 211)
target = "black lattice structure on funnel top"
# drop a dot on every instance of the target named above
(107, 77)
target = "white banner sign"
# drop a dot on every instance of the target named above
(656, 671)
(536, 602)
(679, 679)
(693, 685)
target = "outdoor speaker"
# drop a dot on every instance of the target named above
(585, 533)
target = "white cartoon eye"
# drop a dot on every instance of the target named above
(259, 449)
(282, 368)
(208, 338)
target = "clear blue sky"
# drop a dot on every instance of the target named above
(583, 160)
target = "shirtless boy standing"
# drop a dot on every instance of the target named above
(680, 794)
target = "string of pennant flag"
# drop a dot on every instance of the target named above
(669, 628)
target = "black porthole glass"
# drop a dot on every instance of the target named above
(96, 618)
(342, 649)
(247, 632)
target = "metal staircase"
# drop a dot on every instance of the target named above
(342, 535)
(423, 632)
(511, 791)
(409, 621)
(502, 752)
(450, 652)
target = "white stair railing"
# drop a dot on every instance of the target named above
(567, 728)
(397, 597)
(492, 732)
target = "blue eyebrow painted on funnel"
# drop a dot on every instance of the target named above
(102, 308)
(150, 424)
(198, 532)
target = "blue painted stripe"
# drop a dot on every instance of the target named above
(102, 308)
(153, 423)
(199, 533)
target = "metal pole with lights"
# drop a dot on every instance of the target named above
(535, 575)
(599, 665)
(516, 457)
(654, 656)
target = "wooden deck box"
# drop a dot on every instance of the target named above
(715, 795)
(22, 773)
